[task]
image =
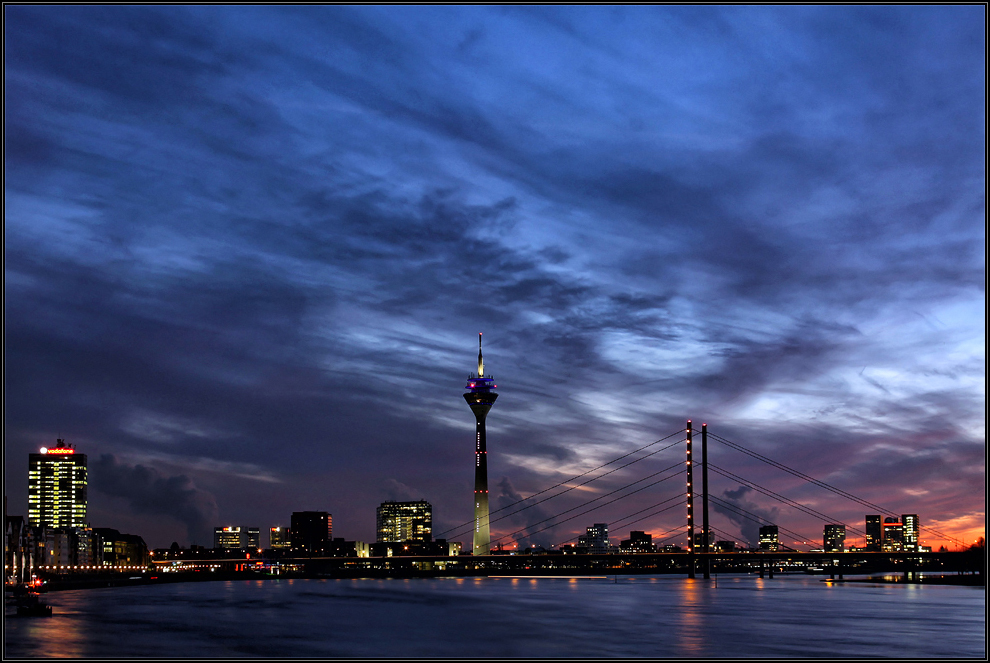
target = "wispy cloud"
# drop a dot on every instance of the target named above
(254, 244)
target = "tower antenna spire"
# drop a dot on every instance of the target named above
(480, 398)
(481, 362)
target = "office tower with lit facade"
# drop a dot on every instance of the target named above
(834, 538)
(226, 537)
(596, 539)
(769, 538)
(278, 538)
(237, 538)
(893, 535)
(911, 529)
(480, 397)
(57, 492)
(874, 532)
(405, 521)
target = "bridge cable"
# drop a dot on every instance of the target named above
(583, 484)
(649, 515)
(786, 500)
(678, 533)
(824, 485)
(553, 517)
(623, 522)
(728, 536)
(760, 520)
(566, 481)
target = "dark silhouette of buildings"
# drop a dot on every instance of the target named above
(121, 549)
(637, 542)
(311, 532)
(834, 538)
(769, 538)
(699, 541)
(480, 398)
(874, 532)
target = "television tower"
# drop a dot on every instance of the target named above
(480, 398)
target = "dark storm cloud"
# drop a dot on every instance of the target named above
(256, 233)
(748, 516)
(148, 492)
(516, 516)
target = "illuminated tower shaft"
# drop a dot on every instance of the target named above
(480, 398)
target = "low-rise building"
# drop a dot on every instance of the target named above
(638, 542)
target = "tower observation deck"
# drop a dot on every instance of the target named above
(480, 397)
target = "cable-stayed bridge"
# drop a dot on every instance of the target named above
(672, 483)
(692, 496)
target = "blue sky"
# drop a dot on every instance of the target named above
(248, 251)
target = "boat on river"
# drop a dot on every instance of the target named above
(28, 604)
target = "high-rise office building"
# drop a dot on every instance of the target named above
(596, 539)
(279, 538)
(834, 538)
(911, 529)
(874, 532)
(57, 487)
(480, 398)
(769, 538)
(312, 532)
(405, 521)
(893, 535)
(226, 537)
(248, 538)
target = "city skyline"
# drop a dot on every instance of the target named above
(52, 472)
(247, 249)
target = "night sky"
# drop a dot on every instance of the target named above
(248, 251)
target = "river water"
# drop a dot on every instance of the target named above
(628, 616)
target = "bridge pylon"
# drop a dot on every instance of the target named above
(690, 503)
(706, 531)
